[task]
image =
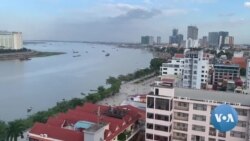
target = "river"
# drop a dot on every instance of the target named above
(41, 82)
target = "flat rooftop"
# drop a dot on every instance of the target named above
(217, 96)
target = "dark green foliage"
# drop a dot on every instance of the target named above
(156, 63)
(3, 129)
(242, 72)
(14, 51)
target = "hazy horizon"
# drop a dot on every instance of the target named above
(123, 20)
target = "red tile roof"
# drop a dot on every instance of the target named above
(88, 112)
(178, 55)
(240, 61)
(55, 132)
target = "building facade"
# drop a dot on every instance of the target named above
(177, 114)
(225, 72)
(11, 40)
(222, 35)
(196, 67)
(192, 32)
(248, 74)
(213, 39)
(174, 67)
(158, 40)
(175, 38)
(147, 40)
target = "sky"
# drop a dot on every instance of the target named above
(123, 20)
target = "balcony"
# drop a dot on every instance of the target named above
(177, 107)
(179, 117)
(222, 134)
(183, 137)
(181, 128)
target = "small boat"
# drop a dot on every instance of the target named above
(75, 51)
(83, 93)
(29, 109)
(86, 51)
(77, 55)
(103, 50)
(24, 59)
(93, 90)
(107, 54)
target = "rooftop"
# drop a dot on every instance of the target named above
(217, 96)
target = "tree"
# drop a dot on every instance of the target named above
(243, 72)
(100, 89)
(156, 63)
(3, 133)
(14, 130)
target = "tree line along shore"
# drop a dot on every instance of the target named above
(24, 54)
(12, 130)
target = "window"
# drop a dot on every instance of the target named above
(242, 112)
(203, 67)
(198, 128)
(160, 138)
(199, 117)
(202, 71)
(202, 75)
(195, 61)
(150, 115)
(202, 80)
(242, 123)
(150, 126)
(156, 91)
(161, 117)
(238, 134)
(197, 138)
(195, 72)
(200, 107)
(150, 102)
(175, 73)
(162, 104)
(149, 136)
(161, 128)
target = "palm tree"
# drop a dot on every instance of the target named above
(3, 128)
(14, 130)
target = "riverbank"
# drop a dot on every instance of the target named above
(26, 55)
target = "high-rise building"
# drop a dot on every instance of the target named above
(213, 39)
(11, 40)
(175, 32)
(177, 114)
(192, 32)
(222, 36)
(158, 40)
(229, 41)
(196, 67)
(248, 74)
(175, 38)
(147, 40)
(204, 41)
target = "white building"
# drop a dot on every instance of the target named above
(191, 43)
(248, 74)
(177, 114)
(11, 40)
(196, 67)
(174, 67)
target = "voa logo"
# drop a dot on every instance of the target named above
(224, 118)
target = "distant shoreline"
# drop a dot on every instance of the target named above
(26, 55)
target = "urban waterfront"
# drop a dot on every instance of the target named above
(41, 82)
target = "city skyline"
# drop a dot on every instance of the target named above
(124, 20)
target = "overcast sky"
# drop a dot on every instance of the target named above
(123, 20)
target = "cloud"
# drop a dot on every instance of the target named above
(247, 4)
(174, 12)
(138, 14)
(230, 14)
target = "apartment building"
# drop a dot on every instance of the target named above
(225, 72)
(248, 74)
(195, 71)
(11, 40)
(174, 67)
(178, 114)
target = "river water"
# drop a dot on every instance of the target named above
(41, 82)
